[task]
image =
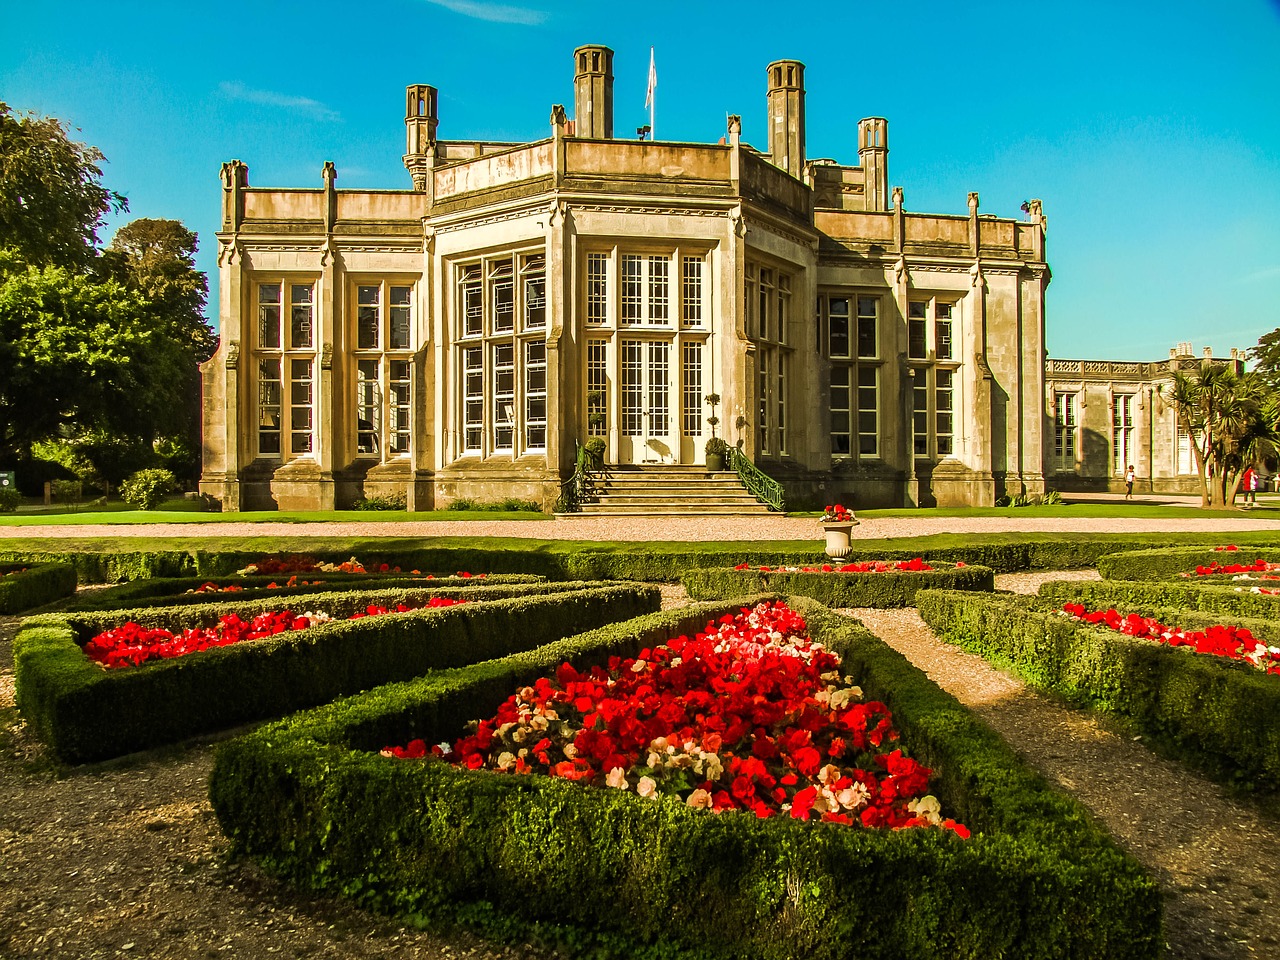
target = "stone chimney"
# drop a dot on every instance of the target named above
(593, 92)
(786, 116)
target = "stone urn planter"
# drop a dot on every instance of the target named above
(838, 538)
(838, 523)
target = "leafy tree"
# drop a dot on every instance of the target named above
(98, 351)
(158, 259)
(80, 354)
(1231, 421)
(52, 201)
(1266, 358)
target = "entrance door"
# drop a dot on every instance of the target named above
(645, 408)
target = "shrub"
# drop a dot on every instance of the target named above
(393, 501)
(10, 498)
(179, 591)
(892, 588)
(462, 503)
(147, 489)
(311, 799)
(41, 583)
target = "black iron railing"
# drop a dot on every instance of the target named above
(579, 488)
(758, 483)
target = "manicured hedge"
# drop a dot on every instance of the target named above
(111, 566)
(177, 591)
(84, 712)
(646, 562)
(1169, 562)
(1139, 595)
(1218, 713)
(25, 587)
(892, 588)
(311, 799)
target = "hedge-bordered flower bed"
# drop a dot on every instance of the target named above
(749, 714)
(573, 561)
(132, 645)
(191, 591)
(1217, 714)
(857, 584)
(85, 713)
(26, 586)
(1172, 562)
(311, 798)
(1228, 640)
(1236, 600)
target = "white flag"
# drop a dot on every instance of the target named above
(653, 81)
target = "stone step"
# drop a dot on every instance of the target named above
(636, 490)
(670, 510)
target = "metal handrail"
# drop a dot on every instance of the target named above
(759, 484)
(580, 487)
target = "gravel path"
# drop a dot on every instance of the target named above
(656, 528)
(126, 859)
(1216, 859)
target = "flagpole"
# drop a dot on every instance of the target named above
(652, 97)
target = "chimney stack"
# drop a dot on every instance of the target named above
(593, 92)
(786, 116)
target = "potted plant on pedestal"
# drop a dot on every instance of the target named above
(717, 451)
(716, 448)
(837, 524)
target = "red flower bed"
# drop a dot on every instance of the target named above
(867, 566)
(131, 643)
(301, 563)
(1222, 640)
(5, 573)
(749, 715)
(1215, 568)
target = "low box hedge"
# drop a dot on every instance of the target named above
(1235, 602)
(645, 562)
(311, 799)
(84, 712)
(179, 591)
(111, 566)
(1170, 562)
(891, 588)
(1218, 714)
(26, 587)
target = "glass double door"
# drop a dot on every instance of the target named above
(647, 432)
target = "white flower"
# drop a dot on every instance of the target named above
(506, 759)
(647, 787)
(854, 796)
(927, 808)
(570, 751)
(617, 779)
(699, 800)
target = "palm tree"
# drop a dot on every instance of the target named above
(1230, 420)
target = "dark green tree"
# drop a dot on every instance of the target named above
(52, 200)
(157, 258)
(1266, 358)
(79, 354)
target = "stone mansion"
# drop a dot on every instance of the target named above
(458, 338)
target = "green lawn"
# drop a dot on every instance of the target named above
(1266, 510)
(192, 511)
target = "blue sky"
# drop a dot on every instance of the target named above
(1150, 131)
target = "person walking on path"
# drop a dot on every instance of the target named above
(1250, 483)
(1129, 477)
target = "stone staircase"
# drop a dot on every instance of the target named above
(669, 490)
